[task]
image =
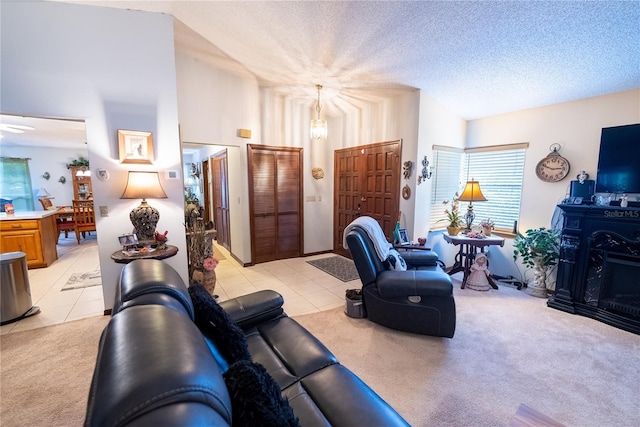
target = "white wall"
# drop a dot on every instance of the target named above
(576, 126)
(214, 102)
(116, 70)
(438, 126)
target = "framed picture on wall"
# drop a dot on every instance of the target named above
(135, 146)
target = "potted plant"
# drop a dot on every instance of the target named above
(80, 161)
(538, 249)
(453, 216)
(487, 225)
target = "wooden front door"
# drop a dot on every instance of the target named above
(220, 198)
(275, 195)
(366, 182)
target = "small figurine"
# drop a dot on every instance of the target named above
(582, 177)
(479, 277)
(624, 201)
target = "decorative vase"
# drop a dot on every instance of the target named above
(453, 231)
(538, 286)
(486, 231)
(206, 278)
(209, 281)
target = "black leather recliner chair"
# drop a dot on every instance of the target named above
(419, 300)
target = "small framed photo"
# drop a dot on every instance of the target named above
(128, 240)
(135, 146)
(404, 237)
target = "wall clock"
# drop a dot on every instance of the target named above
(554, 167)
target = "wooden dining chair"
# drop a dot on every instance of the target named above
(84, 218)
(46, 203)
(63, 224)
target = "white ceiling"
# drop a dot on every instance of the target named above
(478, 58)
(59, 133)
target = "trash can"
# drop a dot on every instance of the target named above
(354, 304)
(15, 293)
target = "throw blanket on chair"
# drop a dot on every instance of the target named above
(383, 248)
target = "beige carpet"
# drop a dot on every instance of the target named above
(45, 373)
(509, 349)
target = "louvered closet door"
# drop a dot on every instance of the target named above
(275, 176)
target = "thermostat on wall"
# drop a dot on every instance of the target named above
(172, 175)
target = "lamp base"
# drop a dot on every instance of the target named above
(469, 217)
(144, 219)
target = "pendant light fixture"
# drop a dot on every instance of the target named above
(318, 127)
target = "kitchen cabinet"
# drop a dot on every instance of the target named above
(33, 233)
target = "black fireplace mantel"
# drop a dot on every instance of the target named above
(599, 266)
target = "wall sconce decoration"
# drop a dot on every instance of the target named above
(427, 171)
(317, 173)
(407, 168)
(143, 185)
(46, 175)
(62, 180)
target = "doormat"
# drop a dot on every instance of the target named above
(83, 280)
(337, 266)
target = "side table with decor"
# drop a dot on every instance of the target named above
(125, 257)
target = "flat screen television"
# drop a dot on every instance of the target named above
(619, 160)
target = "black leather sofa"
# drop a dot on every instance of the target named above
(419, 300)
(155, 367)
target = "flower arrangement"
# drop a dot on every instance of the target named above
(453, 214)
(210, 263)
(487, 223)
(475, 235)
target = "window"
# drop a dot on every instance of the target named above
(499, 171)
(15, 183)
(447, 171)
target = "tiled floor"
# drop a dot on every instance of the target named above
(305, 288)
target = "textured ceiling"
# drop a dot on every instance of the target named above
(478, 58)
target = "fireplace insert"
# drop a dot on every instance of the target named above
(613, 275)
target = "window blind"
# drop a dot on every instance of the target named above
(500, 174)
(446, 183)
